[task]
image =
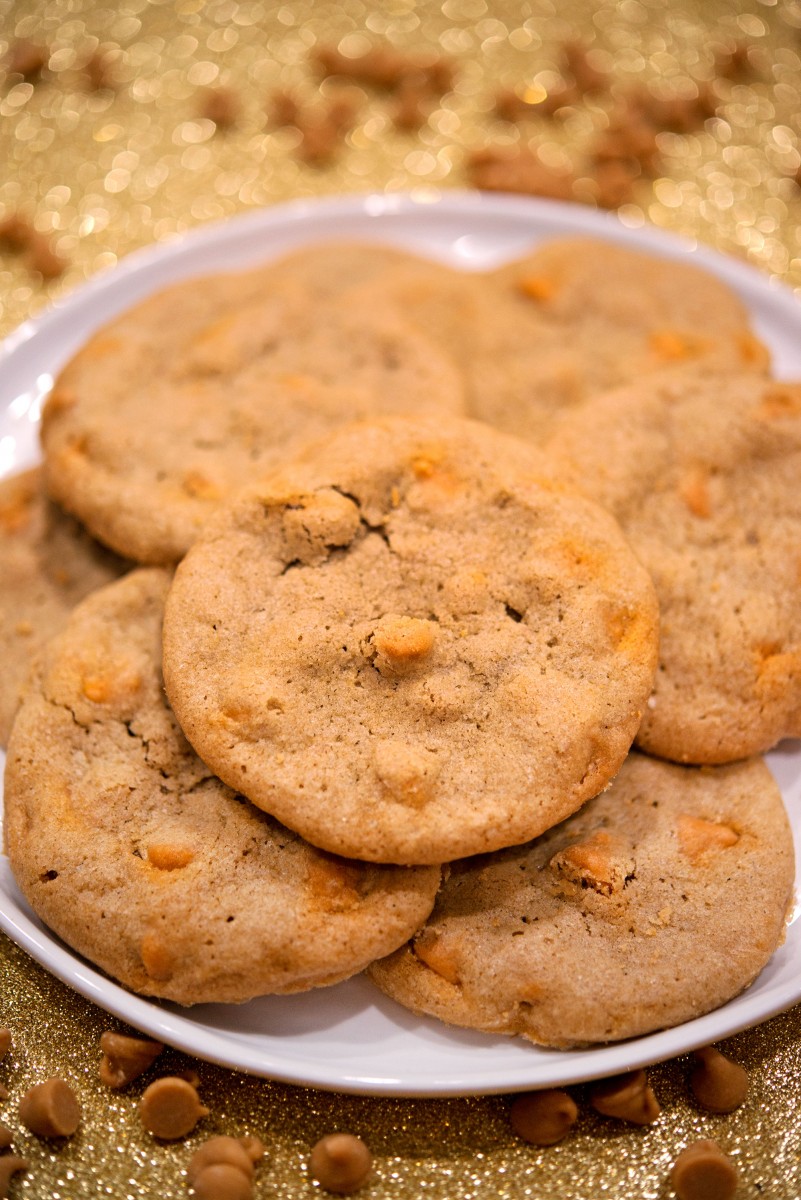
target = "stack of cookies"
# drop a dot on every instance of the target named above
(452, 613)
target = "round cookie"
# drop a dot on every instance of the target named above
(659, 901)
(125, 843)
(410, 645)
(49, 564)
(702, 472)
(575, 317)
(156, 420)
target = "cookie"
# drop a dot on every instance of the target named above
(199, 388)
(547, 331)
(130, 849)
(660, 900)
(702, 472)
(410, 645)
(49, 564)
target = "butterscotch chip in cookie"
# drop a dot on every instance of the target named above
(702, 472)
(125, 843)
(258, 365)
(49, 564)
(409, 646)
(543, 1118)
(704, 1172)
(604, 927)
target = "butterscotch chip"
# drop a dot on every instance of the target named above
(49, 564)
(5, 1042)
(476, 646)
(520, 171)
(26, 58)
(716, 1082)
(628, 1097)
(341, 1163)
(543, 1118)
(9, 1165)
(51, 1109)
(221, 1181)
(92, 787)
(221, 1150)
(170, 1108)
(253, 1147)
(6, 1136)
(260, 364)
(220, 105)
(704, 1172)
(701, 470)
(125, 1058)
(602, 928)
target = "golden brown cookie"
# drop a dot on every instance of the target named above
(702, 472)
(660, 900)
(178, 402)
(410, 645)
(49, 563)
(130, 849)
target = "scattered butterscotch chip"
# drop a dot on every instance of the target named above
(170, 1108)
(9, 1165)
(5, 1042)
(341, 1163)
(543, 1118)
(380, 66)
(16, 231)
(413, 102)
(6, 1136)
(704, 1172)
(613, 183)
(681, 112)
(125, 1058)
(221, 1181)
(579, 62)
(220, 1150)
(520, 171)
(44, 258)
(51, 1109)
(26, 58)
(628, 1097)
(3, 1092)
(282, 108)
(253, 1146)
(735, 63)
(220, 105)
(717, 1083)
(98, 69)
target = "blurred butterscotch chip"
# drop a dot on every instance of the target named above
(220, 105)
(26, 58)
(518, 170)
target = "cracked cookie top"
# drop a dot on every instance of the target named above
(178, 402)
(659, 901)
(410, 645)
(127, 846)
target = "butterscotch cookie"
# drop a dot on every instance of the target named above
(702, 472)
(197, 389)
(49, 563)
(410, 645)
(130, 849)
(660, 900)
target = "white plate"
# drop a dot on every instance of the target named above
(350, 1038)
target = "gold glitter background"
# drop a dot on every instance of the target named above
(105, 171)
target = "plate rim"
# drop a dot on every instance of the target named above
(148, 263)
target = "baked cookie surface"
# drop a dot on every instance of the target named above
(49, 563)
(659, 901)
(129, 848)
(702, 472)
(410, 645)
(198, 388)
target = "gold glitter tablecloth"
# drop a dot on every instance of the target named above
(104, 170)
